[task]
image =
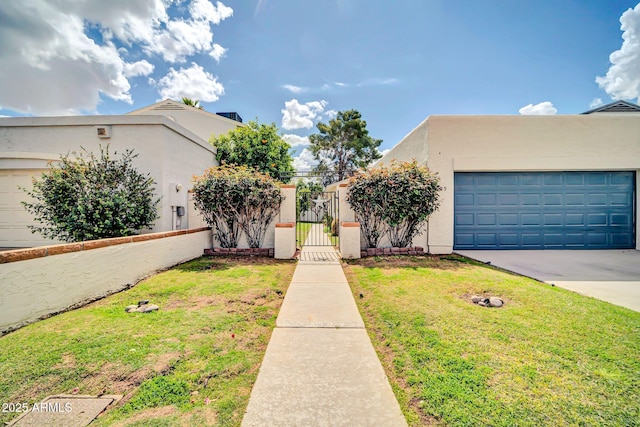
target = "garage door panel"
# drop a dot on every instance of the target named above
(575, 179)
(486, 219)
(574, 200)
(465, 239)
(618, 219)
(597, 239)
(624, 180)
(508, 180)
(597, 219)
(508, 219)
(529, 199)
(552, 179)
(507, 199)
(621, 239)
(465, 219)
(552, 219)
(530, 179)
(597, 199)
(464, 200)
(596, 179)
(486, 199)
(544, 210)
(486, 239)
(552, 200)
(620, 199)
(509, 239)
(574, 219)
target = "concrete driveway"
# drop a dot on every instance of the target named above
(609, 275)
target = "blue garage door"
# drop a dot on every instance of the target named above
(544, 210)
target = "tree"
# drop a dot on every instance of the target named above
(91, 197)
(343, 145)
(257, 146)
(305, 192)
(233, 198)
(192, 103)
(394, 200)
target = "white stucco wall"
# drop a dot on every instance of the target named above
(448, 144)
(28, 293)
(170, 153)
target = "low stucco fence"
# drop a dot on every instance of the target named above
(39, 282)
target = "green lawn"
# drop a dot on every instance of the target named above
(549, 357)
(302, 230)
(193, 362)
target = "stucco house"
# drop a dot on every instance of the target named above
(531, 182)
(170, 138)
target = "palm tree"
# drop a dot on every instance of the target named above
(192, 103)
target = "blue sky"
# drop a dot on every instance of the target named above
(295, 62)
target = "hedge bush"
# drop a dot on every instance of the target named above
(237, 199)
(395, 201)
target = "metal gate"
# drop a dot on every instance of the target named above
(317, 218)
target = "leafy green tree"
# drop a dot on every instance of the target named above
(258, 146)
(395, 200)
(192, 103)
(305, 192)
(237, 198)
(89, 197)
(343, 145)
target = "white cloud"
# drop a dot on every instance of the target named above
(140, 68)
(341, 84)
(305, 161)
(57, 66)
(541, 109)
(379, 82)
(330, 114)
(217, 52)
(193, 82)
(622, 80)
(296, 140)
(301, 116)
(597, 102)
(295, 89)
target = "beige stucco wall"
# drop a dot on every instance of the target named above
(170, 153)
(449, 144)
(37, 287)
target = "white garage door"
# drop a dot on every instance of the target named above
(13, 217)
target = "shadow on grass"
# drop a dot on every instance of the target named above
(221, 263)
(414, 262)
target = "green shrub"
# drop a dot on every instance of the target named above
(89, 197)
(237, 198)
(258, 146)
(395, 200)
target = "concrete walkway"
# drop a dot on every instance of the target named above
(320, 368)
(317, 236)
